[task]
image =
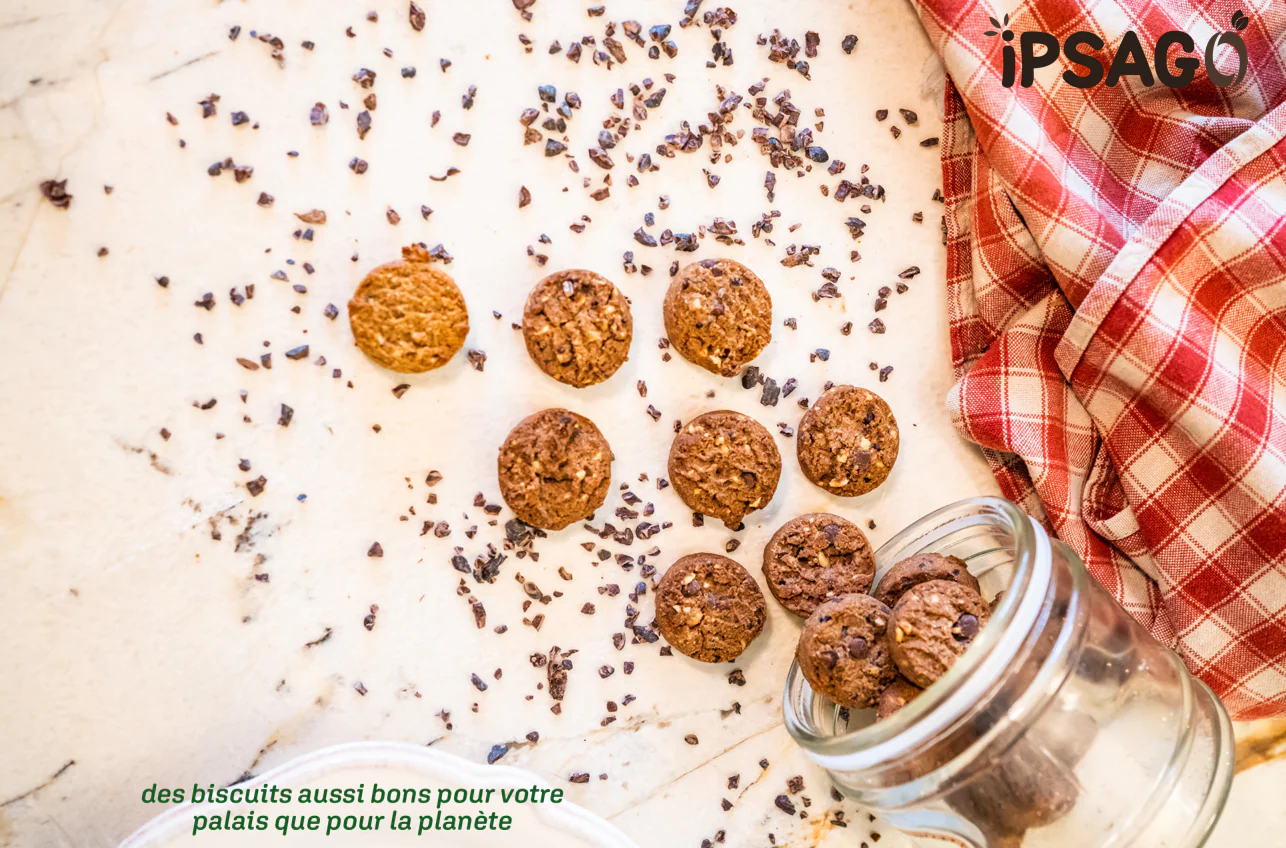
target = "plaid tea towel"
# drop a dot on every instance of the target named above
(1116, 261)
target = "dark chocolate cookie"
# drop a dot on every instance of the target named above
(718, 315)
(918, 569)
(898, 694)
(408, 315)
(725, 464)
(931, 627)
(815, 557)
(843, 651)
(555, 468)
(848, 441)
(577, 326)
(709, 607)
(1026, 789)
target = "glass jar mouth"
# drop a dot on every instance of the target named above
(949, 697)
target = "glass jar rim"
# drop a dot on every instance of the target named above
(946, 699)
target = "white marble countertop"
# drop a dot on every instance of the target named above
(139, 646)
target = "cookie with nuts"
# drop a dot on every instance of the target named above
(718, 315)
(931, 627)
(848, 441)
(709, 607)
(843, 652)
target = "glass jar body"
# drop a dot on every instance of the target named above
(1065, 723)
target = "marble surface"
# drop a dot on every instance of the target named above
(139, 646)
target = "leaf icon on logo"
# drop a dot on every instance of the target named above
(996, 23)
(1240, 21)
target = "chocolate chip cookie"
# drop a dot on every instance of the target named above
(931, 627)
(897, 695)
(918, 569)
(709, 607)
(724, 464)
(577, 326)
(555, 468)
(843, 651)
(848, 441)
(718, 315)
(409, 316)
(815, 557)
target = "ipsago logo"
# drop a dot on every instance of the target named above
(1130, 58)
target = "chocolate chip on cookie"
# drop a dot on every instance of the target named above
(709, 607)
(918, 569)
(725, 464)
(815, 557)
(848, 441)
(898, 694)
(843, 652)
(555, 468)
(718, 315)
(932, 625)
(577, 326)
(409, 316)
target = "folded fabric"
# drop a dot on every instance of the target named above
(1116, 261)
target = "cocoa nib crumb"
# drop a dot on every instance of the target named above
(478, 359)
(208, 107)
(556, 669)
(416, 16)
(55, 191)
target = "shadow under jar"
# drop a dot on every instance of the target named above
(1064, 724)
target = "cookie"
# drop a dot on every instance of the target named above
(848, 441)
(709, 607)
(724, 464)
(409, 316)
(1026, 789)
(918, 569)
(843, 652)
(815, 557)
(931, 627)
(577, 326)
(718, 315)
(898, 694)
(555, 468)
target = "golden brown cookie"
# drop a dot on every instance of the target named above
(577, 326)
(843, 652)
(724, 464)
(848, 441)
(709, 607)
(815, 557)
(409, 316)
(718, 315)
(921, 568)
(555, 468)
(931, 627)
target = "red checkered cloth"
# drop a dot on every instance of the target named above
(1116, 269)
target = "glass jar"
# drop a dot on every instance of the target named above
(1064, 724)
